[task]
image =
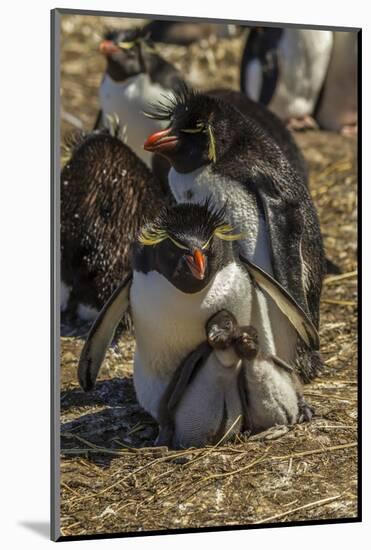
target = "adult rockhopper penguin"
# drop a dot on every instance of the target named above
(216, 150)
(185, 270)
(136, 75)
(106, 191)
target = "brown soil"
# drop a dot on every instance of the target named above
(112, 480)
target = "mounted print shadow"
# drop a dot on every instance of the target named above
(205, 182)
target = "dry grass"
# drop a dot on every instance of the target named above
(112, 480)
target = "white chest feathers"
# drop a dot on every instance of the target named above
(304, 57)
(128, 100)
(169, 324)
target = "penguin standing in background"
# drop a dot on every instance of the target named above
(217, 152)
(106, 190)
(136, 75)
(185, 270)
(184, 33)
(337, 109)
(284, 69)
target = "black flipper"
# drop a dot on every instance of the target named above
(285, 302)
(175, 390)
(262, 45)
(285, 227)
(101, 334)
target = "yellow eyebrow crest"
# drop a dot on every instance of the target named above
(224, 232)
(200, 127)
(126, 45)
(150, 237)
(205, 245)
(177, 243)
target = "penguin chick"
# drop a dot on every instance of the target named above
(223, 332)
(212, 379)
(106, 191)
(136, 75)
(205, 398)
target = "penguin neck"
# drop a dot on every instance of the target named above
(192, 186)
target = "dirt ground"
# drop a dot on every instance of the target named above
(112, 478)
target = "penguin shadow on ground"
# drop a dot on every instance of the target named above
(114, 421)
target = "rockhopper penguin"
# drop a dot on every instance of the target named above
(105, 192)
(285, 69)
(136, 75)
(185, 270)
(217, 151)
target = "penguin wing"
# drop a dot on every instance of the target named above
(286, 303)
(287, 212)
(184, 373)
(101, 334)
(175, 391)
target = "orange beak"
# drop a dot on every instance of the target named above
(161, 141)
(107, 47)
(197, 264)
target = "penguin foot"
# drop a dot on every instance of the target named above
(220, 330)
(246, 344)
(299, 124)
(165, 436)
(306, 411)
(349, 130)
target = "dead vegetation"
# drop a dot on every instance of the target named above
(112, 479)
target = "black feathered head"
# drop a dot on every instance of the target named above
(188, 222)
(126, 52)
(200, 130)
(185, 244)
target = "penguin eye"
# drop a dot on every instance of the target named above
(177, 243)
(126, 45)
(200, 127)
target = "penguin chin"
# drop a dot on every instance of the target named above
(191, 285)
(184, 164)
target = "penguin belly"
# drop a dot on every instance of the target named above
(304, 58)
(169, 324)
(210, 406)
(338, 105)
(271, 395)
(129, 100)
